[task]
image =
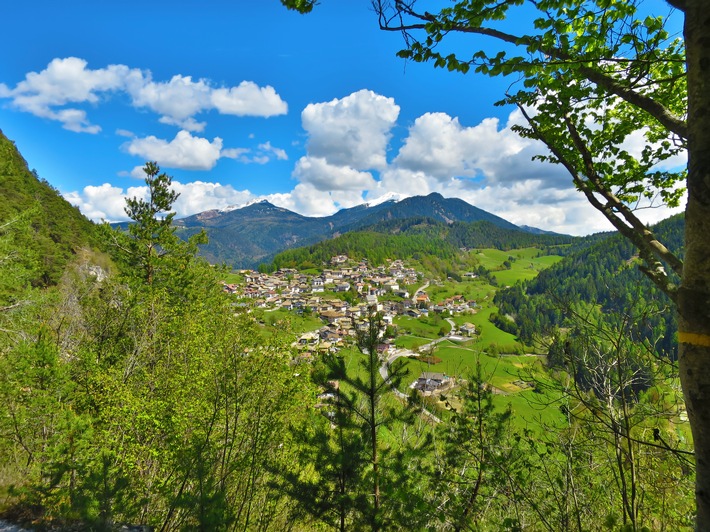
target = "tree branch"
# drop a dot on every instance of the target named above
(642, 237)
(678, 4)
(609, 83)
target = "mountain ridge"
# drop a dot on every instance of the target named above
(255, 233)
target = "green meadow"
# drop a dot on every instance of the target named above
(524, 263)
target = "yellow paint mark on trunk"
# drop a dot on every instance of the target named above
(694, 339)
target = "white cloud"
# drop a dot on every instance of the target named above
(74, 120)
(353, 131)
(234, 153)
(248, 99)
(442, 148)
(189, 123)
(136, 173)
(261, 155)
(326, 177)
(68, 81)
(280, 154)
(125, 133)
(106, 202)
(310, 201)
(177, 100)
(200, 196)
(407, 182)
(103, 202)
(184, 151)
(345, 137)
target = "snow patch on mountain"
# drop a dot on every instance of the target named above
(231, 208)
(389, 196)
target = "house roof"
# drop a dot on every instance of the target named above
(429, 375)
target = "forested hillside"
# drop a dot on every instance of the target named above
(415, 237)
(604, 274)
(38, 220)
(134, 393)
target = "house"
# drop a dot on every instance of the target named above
(324, 347)
(383, 349)
(230, 288)
(391, 286)
(422, 298)
(331, 316)
(468, 329)
(329, 335)
(430, 382)
(308, 339)
(252, 277)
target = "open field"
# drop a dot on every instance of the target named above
(428, 327)
(285, 321)
(512, 380)
(525, 263)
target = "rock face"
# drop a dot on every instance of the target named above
(9, 527)
(95, 271)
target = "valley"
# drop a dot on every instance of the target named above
(433, 324)
(433, 361)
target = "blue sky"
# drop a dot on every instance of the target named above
(243, 100)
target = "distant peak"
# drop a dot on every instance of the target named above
(231, 208)
(388, 196)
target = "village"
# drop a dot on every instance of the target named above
(347, 291)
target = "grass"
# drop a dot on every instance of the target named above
(290, 322)
(490, 335)
(512, 276)
(234, 278)
(475, 290)
(427, 327)
(531, 407)
(524, 263)
(411, 342)
(461, 361)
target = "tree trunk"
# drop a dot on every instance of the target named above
(374, 370)
(694, 293)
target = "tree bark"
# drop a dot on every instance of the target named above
(694, 293)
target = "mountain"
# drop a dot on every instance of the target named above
(250, 235)
(247, 236)
(536, 231)
(433, 206)
(55, 230)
